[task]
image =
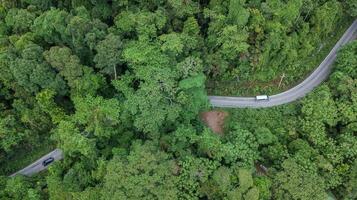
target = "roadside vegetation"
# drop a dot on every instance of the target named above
(285, 79)
(24, 156)
(120, 87)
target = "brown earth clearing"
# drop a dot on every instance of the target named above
(214, 120)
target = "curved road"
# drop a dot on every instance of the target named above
(318, 76)
(37, 165)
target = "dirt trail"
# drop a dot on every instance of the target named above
(214, 120)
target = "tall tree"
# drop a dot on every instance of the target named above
(144, 174)
(109, 55)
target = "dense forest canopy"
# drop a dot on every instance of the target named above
(118, 85)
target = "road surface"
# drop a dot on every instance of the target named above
(37, 165)
(297, 92)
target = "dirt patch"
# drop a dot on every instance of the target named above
(214, 120)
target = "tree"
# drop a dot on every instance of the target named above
(109, 55)
(20, 188)
(352, 7)
(264, 186)
(243, 149)
(51, 26)
(42, 4)
(11, 132)
(46, 102)
(159, 99)
(72, 141)
(238, 15)
(191, 36)
(31, 73)
(194, 171)
(219, 184)
(144, 25)
(326, 16)
(172, 44)
(81, 79)
(183, 9)
(134, 176)
(264, 136)
(224, 181)
(317, 113)
(351, 184)
(99, 116)
(78, 26)
(295, 183)
(19, 20)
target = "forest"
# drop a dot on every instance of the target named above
(120, 86)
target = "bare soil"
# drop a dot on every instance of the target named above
(214, 120)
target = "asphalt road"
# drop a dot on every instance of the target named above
(297, 92)
(37, 165)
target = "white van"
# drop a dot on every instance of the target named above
(262, 98)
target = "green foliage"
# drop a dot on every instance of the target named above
(352, 7)
(238, 15)
(295, 183)
(51, 26)
(19, 20)
(81, 79)
(224, 181)
(264, 136)
(72, 141)
(20, 188)
(183, 9)
(119, 86)
(99, 116)
(46, 103)
(264, 186)
(351, 184)
(318, 110)
(329, 12)
(10, 132)
(109, 54)
(144, 174)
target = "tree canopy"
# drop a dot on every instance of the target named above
(120, 85)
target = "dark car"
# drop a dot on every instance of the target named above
(48, 161)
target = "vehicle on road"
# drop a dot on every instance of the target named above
(262, 98)
(48, 161)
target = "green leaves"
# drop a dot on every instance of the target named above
(11, 133)
(46, 102)
(319, 110)
(145, 174)
(144, 24)
(238, 15)
(119, 86)
(172, 44)
(98, 115)
(295, 183)
(161, 94)
(81, 79)
(352, 7)
(326, 17)
(182, 9)
(192, 82)
(240, 147)
(109, 55)
(20, 188)
(51, 26)
(71, 141)
(19, 20)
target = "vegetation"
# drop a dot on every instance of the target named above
(118, 86)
